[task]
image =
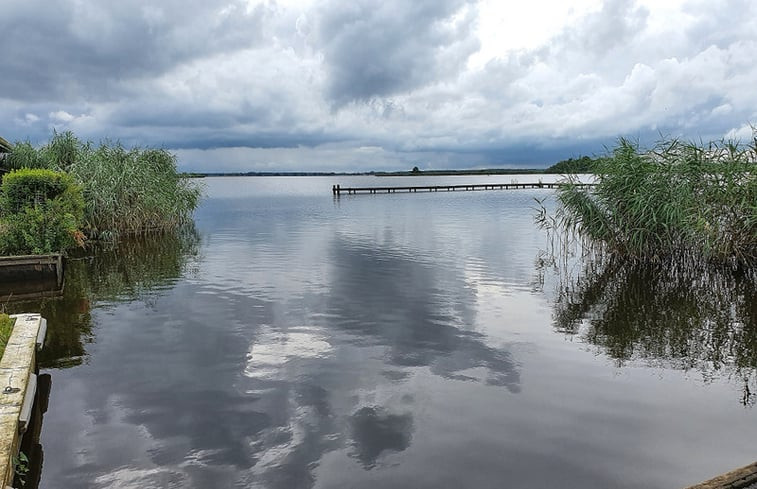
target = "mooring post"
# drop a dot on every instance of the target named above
(59, 270)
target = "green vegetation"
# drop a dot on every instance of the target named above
(677, 200)
(125, 191)
(59, 154)
(132, 191)
(41, 210)
(584, 164)
(6, 328)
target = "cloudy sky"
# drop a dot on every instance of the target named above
(359, 85)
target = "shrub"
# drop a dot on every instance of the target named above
(25, 188)
(42, 212)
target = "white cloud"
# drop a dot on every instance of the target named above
(61, 116)
(463, 83)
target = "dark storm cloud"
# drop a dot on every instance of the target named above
(67, 50)
(430, 83)
(379, 49)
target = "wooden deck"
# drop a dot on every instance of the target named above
(338, 190)
(743, 478)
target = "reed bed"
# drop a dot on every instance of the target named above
(126, 191)
(681, 200)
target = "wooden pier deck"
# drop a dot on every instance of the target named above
(338, 190)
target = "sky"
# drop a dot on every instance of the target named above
(360, 85)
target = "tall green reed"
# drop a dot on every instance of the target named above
(126, 191)
(678, 199)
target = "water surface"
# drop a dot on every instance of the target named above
(408, 340)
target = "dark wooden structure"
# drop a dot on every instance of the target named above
(5, 146)
(31, 276)
(338, 190)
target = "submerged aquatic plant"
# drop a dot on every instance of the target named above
(694, 202)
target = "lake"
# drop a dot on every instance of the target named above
(295, 340)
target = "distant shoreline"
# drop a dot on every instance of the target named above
(583, 164)
(422, 173)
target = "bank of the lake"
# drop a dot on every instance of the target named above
(427, 340)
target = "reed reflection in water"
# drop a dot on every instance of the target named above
(135, 268)
(671, 314)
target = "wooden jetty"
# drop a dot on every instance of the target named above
(338, 190)
(23, 400)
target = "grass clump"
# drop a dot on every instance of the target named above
(126, 191)
(677, 200)
(6, 328)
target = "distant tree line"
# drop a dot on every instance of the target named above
(582, 164)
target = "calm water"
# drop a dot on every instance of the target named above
(294, 341)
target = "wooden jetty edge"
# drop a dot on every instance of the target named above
(742, 478)
(338, 190)
(18, 388)
(31, 276)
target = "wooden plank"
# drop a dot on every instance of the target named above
(742, 478)
(16, 367)
(8, 261)
(5, 146)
